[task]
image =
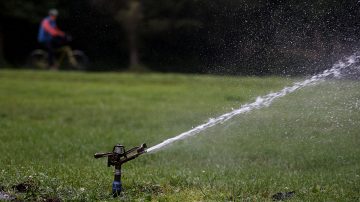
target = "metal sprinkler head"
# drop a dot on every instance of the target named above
(118, 157)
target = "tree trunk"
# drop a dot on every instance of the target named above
(130, 19)
(133, 49)
(132, 22)
(2, 59)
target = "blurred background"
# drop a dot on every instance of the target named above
(237, 37)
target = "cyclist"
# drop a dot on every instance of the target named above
(51, 36)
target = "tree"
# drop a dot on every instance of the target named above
(128, 14)
(140, 19)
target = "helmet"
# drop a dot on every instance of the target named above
(53, 12)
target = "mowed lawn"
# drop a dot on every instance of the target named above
(51, 124)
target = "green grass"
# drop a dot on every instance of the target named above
(51, 124)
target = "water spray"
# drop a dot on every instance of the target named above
(263, 101)
(118, 157)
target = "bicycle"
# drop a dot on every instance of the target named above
(65, 58)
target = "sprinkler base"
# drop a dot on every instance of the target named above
(116, 188)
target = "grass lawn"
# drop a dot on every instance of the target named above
(51, 124)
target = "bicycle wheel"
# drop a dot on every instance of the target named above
(81, 59)
(38, 59)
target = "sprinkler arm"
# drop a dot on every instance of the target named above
(100, 155)
(115, 159)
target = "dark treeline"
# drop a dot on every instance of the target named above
(197, 36)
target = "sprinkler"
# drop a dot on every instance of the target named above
(118, 157)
